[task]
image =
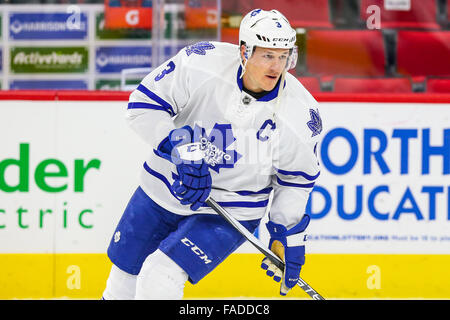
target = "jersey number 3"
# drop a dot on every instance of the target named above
(170, 67)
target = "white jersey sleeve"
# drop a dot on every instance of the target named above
(154, 103)
(295, 158)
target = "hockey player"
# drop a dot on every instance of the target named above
(258, 129)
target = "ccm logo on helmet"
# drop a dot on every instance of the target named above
(283, 39)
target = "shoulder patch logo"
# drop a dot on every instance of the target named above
(315, 124)
(199, 48)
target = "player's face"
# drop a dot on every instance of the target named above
(264, 68)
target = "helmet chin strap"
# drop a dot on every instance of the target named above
(280, 92)
(246, 57)
(243, 65)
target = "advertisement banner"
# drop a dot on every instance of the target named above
(128, 17)
(125, 33)
(383, 188)
(201, 14)
(48, 84)
(113, 84)
(114, 59)
(51, 26)
(67, 171)
(49, 59)
(385, 180)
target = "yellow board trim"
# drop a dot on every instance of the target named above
(334, 276)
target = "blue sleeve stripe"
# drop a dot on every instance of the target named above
(143, 105)
(249, 193)
(156, 98)
(297, 185)
(241, 204)
(241, 193)
(160, 177)
(299, 173)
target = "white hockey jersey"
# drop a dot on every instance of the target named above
(255, 148)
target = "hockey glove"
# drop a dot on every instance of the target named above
(288, 245)
(193, 182)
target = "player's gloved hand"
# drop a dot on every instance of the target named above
(289, 245)
(193, 183)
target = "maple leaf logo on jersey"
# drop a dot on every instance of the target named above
(199, 48)
(215, 146)
(315, 124)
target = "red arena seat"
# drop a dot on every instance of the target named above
(436, 85)
(423, 53)
(345, 53)
(312, 84)
(372, 85)
(421, 14)
(448, 15)
(300, 13)
(448, 12)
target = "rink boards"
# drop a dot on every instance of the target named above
(334, 276)
(380, 209)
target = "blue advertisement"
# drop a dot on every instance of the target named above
(384, 179)
(48, 26)
(375, 161)
(48, 85)
(114, 59)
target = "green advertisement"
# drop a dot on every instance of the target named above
(49, 60)
(112, 84)
(43, 172)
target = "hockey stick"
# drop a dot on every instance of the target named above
(258, 245)
(193, 152)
